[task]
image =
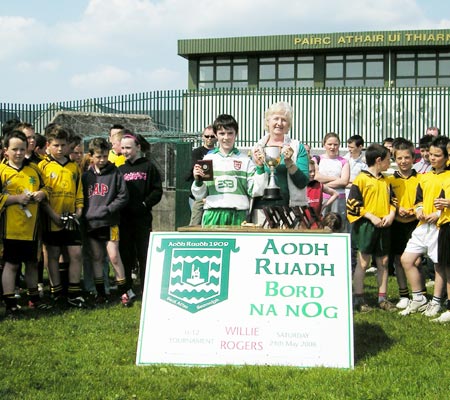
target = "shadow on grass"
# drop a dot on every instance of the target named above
(57, 309)
(369, 340)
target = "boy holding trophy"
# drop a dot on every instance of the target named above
(226, 179)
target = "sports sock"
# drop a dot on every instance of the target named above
(381, 297)
(10, 300)
(100, 286)
(436, 300)
(74, 290)
(56, 291)
(64, 276)
(33, 294)
(121, 285)
(417, 296)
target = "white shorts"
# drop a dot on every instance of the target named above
(424, 240)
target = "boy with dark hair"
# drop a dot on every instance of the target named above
(355, 159)
(41, 146)
(423, 165)
(63, 210)
(29, 132)
(424, 238)
(105, 194)
(404, 185)
(9, 126)
(236, 178)
(22, 189)
(371, 210)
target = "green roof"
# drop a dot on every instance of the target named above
(315, 41)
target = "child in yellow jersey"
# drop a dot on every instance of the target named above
(403, 183)
(442, 203)
(371, 211)
(63, 209)
(21, 192)
(115, 154)
(424, 239)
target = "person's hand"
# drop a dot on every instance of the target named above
(431, 218)
(287, 152)
(198, 172)
(405, 212)
(23, 198)
(420, 215)
(387, 220)
(441, 203)
(258, 156)
(38, 196)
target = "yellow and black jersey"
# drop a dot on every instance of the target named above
(404, 191)
(369, 193)
(19, 222)
(429, 188)
(116, 159)
(66, 191)
(444, 218)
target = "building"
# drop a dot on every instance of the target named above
(410, 58)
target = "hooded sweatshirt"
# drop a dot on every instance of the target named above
(105, 194)
(145, 189)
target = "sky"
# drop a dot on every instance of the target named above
(58, 50)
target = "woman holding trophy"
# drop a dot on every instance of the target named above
(285, 159)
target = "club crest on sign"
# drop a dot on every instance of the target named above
(196, 272)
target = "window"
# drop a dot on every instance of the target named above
(422, 69)
(354, 70)
(286, 71)
(223, 72)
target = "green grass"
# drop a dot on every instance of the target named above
(90, 354)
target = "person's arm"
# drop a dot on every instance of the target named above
(342, 181)
(54, 216)
(155, 190)
(332, 193)
(122, 196)
(256, 179)
(355, 204)
(79, 198)
(298, 171)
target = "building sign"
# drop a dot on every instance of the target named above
(383, 39)
(247, 298)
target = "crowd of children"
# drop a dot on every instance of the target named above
(376, 196)
(397, 198)
(65, 210)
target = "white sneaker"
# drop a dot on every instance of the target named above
(432, 309)
(371, 270)
(444, 318)
(429, 283)
(414, 306)
(403, 303)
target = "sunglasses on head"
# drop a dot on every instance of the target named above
(209, 137)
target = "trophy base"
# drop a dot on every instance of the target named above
(272, 194)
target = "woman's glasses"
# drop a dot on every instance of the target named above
(209, 137)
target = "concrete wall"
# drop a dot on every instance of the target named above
(164, 213)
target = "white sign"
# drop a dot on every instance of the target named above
(247, 298)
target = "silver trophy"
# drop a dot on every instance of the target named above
(272, 157)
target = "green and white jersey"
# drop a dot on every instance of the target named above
(236, 179)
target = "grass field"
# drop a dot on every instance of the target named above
(90, 354)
